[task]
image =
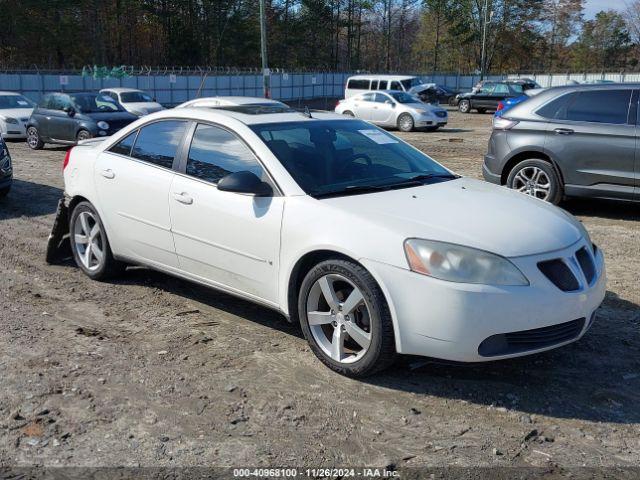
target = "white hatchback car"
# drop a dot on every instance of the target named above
(134, 101)
(394, 109)
(375, 248)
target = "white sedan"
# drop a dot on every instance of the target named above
(375, 248)
(389, 108)
(134, 101)
(15, 110)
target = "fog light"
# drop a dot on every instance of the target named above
(102, 133)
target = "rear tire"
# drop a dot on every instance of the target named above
(405, 122)
(90, 245)
(33, 139)
(356, 319)
(537, 178)
(464, 106)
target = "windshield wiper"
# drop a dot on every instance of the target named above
(356, 189)
(428, 176)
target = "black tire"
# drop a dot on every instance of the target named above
(83, 135)
(349, 113)
(381, 352)
(464, 106)
(452, 101)
(482, 111)
(5, 191)
(405, 122)
(110, 267)
(556, 188)
(33, 139)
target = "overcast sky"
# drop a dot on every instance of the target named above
(594, 6)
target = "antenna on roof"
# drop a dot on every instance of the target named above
(307, 113)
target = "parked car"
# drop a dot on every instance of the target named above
(375, 248)
(227, 101)
(134, 101)
(569, 141)
(15, 110)
(440, 93)
(68, 118)
(394, 109)
(6, 169)
(509, 103)
(487, 95)
(366, 83)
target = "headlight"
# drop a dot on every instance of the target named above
(456, 263)
(10, 120)
(103, 125)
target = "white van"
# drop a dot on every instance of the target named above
(365, 83)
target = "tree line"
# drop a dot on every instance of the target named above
(340, 35)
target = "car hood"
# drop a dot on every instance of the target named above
(111, 116)
(467, 212)
(144, 107)
(16, 112)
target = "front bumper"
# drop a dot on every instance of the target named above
(450, 321)
(14, 131)
(431, 121)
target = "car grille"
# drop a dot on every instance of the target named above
(529, 340)
(441, 114)
(560, 273)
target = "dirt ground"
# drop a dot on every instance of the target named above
(154, 371)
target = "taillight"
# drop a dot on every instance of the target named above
(501, 123)
(66, 159)
(500, 106)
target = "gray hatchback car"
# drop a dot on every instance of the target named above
(577, 141)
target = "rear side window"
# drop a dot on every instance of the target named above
(604, 106)
(557, 108)
(158, 143)
(501, 89)
(215, 153)
(395, 86)
(358, 84)
(367, 97)
(123, 147)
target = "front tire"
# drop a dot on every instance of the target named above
(33, 139)
(83, 135)
(464, 106)
(405, 122)
(90, 246)
(537, 178)
(346, 319)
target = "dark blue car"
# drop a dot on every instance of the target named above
(68, 118)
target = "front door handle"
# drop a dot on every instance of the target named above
(564, 131)
(182, 197)
(108, 174)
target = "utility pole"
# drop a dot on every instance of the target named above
(483, 61)
(266, 75)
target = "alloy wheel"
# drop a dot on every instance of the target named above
(339, 318)
(533, 181)
(89, 241)
(32, 137)
(83, 135)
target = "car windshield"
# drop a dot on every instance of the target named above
(411, 82)
(15, 101)
(94, 103)
(135, 97)
(402, 97)
(345, 157)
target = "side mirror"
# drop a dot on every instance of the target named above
(70, 111)
(245, 182)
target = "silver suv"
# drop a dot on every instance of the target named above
(569, 141)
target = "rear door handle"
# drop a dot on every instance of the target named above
(564, 131)
(108, 174)
(183, 198)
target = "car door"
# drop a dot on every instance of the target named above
(133, 180)
(383, 109)
(55, 120)
(593, 140)
(223, 238)
(483, 98)
(499, 94)
(40, 114)
(364, 106)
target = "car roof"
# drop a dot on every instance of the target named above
(9, 93)
(382, 77)
(219, 114)
(227, 101)
(121, 90)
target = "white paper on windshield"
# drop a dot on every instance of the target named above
(378, 136)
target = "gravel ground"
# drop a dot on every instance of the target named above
(154, 371)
